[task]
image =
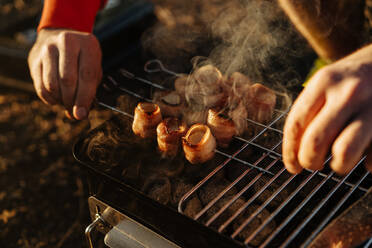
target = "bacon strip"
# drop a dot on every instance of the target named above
(199, 144)
(169, 133)
(146, 117)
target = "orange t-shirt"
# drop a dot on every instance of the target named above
(72, 14)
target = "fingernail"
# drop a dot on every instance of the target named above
(81, 113)
(68, 115)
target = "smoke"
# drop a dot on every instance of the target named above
(253, 37)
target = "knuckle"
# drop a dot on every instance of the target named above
(342, 152)
(329, 76)
(354, 91)
(364, 69)
(92, 39)
(65, 38)
(315, 143)
(87, 74)
(51, 85)
(68, 79)
(50, 48)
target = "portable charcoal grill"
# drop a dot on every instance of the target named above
(276, 209)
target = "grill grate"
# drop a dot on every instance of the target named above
(299, 206)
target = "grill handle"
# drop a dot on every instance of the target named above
(88, 231)
(120, 230)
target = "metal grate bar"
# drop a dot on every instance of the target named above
(254, 197)
(295, 212)
(130, 75)
(331, 214)
(202, 182)
(219, 196)
(315, 211)
(263, 126)
(230, 157)
(228, 204)
(281, 206)
(244, 162)
(259, 146)
(335, 179)
(241, 192)
(263, 205)
(368, 244)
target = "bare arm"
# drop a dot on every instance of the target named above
(334, 28)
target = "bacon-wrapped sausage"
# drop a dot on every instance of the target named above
(206, 88)
(146, 117)
(260, 103)
(199, 144)
(222, 127)
(180, 84)
(170, 103)
(238, 84)
(169, 133)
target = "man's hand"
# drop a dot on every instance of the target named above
(65, 66)
(334, 112)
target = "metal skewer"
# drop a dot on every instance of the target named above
(156, 65)
(112, 108)
(130, 75)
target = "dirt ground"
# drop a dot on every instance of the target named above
(43, 199)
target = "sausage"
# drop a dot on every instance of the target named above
(146, 118)
(169, 133)
(222, 127)
(199, 144)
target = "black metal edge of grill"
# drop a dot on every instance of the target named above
(164, 220)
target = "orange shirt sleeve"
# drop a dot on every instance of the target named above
(72, 14)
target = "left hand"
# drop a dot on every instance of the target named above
(334, 112)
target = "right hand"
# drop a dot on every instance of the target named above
(65, 66)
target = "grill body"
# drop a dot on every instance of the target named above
(300, 206)
(161, 219)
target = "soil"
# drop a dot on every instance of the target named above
(43, 199)
(14, 14)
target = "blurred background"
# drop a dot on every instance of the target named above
(43, 199)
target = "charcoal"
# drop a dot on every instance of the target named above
(230, 211)
(180, 188)
(126, 103)
(213, 188)
(210, 191)
(193, 207)
(253, 225)
(131, 174)
(171, 167)
(158, 188)
(269, 191)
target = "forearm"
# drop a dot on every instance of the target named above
(334, 28)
